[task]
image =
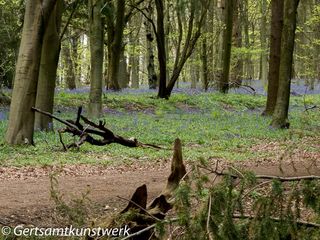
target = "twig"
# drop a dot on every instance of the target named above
(299, 222)
(254, 188)
(208, 218)
(61, 141)
(137, 205)
(288, 179)
(186, 175)
(282, 179)
(237, 171)
(148, 228)
(69, 19)
(139, 232)
(58, 119)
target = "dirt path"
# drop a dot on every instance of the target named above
(25, 192)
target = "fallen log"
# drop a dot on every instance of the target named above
(91, 132)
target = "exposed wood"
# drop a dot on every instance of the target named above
(143, 217)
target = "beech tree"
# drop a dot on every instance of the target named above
(21, 118)
(280, 115)
(274, 56)
(227, 42)
(197, 11)
(48, 68)
(96, 57)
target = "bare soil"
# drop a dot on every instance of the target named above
(25, 192)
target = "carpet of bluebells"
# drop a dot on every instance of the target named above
(210, 124)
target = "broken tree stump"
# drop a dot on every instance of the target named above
(142, 217)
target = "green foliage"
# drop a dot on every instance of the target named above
(10, 37)
(75, 212)
(232, 211)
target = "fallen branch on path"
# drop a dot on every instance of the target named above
(89, 133)
(266, 177)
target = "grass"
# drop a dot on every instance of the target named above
(210, 125)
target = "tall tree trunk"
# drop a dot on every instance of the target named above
(263, 43)
(75, 58)
(134, 57)
(21, 117)
(116, 44)
(249, 70)
(237, 41)
(96, 57)
(123, 74)
(227, 42)
(152, 76)
(274, 57)
(161, 49)
(204, 64)
(69, 71)
(48, 69)
(194, 70)
(280, 116)
(167, 32)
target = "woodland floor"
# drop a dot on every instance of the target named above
(25, 197)
(211, 126)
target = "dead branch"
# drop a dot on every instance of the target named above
(89, 133)
(270, 177)
(299, 222)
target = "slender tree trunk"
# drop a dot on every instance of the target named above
(123, 74)
(216, 45)
(21, 118)
(152, 76)
(280, 116)
(204, 63)
(167, 32)
(68, 66)
(275, 51)
(227, 42)
(249, 70)
(194, 70)
(237, 39)
(161, 49)
(116, 45)
(134, 58)
(48, 69)
(263, 43)
(75, 58)
(96, 57)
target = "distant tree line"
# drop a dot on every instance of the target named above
(114, 44)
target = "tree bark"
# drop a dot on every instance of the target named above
(21, 118)
(263, 43)
(116, 36)
(204, 59)
(152, 76)
(249, 69)
(237, 42)
(123, 74)
(280, 116)
(227, 42)
(134, 54)
(274, 57)
(69, 71)
(161, 49)
(96, 57)
(48, 68)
